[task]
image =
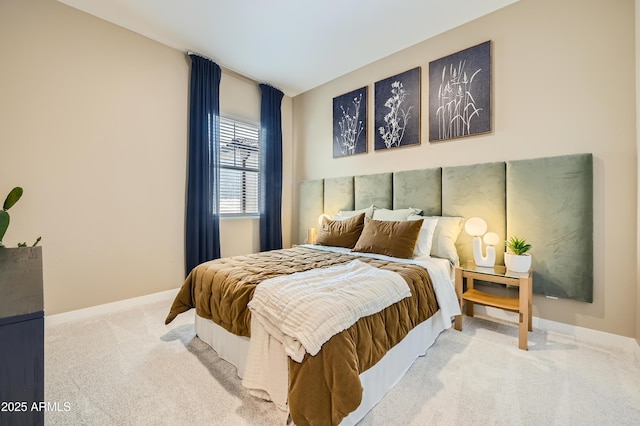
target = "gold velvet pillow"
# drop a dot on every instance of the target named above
(340, 233)
(391, 238)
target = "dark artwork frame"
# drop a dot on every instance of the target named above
(460, 94)
(397, 110)
(350, 123)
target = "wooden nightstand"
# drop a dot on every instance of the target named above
(498, 274)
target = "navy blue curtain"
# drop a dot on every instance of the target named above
(271, 169)
(203, 173)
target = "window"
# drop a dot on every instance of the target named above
(239, 168)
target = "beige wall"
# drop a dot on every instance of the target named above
(563, 82)
(637, 63)
(94, 127)
(240, 99)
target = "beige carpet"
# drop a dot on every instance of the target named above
(128, 368)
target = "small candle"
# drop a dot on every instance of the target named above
(311, 235)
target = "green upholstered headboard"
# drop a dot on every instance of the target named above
(374, 190)
(548, 201)
(476, 190)
(338, 193)
(421, 189)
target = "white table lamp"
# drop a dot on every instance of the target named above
(476, 227)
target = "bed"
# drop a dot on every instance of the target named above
(444, 195)
(369, 356)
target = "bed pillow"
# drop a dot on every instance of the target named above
(425, 239)
(398, 214)
(340, 233)
(445, 236)
(391, 238)
(350, 213)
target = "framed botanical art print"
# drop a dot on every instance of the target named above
(397, 110)
(350, 123)
(460, 94)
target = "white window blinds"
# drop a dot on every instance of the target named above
(239, 167)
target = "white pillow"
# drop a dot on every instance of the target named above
(425, 239)
(395, 215)
(445, 236)
(368, 212)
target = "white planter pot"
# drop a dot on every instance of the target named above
(517, 263)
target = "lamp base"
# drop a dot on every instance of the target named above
(487, 261)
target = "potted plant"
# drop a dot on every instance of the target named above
(518, 259)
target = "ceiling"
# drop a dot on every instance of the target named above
(294, 45)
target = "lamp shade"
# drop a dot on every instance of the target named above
(491, 238)
(475, 226)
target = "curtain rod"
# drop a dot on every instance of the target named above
(224, 69)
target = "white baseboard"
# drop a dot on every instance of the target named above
(86, 313)
(582, 333)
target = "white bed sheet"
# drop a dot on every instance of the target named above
(377, 380)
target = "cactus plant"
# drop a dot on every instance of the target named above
(11, 199)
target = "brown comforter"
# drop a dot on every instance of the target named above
(324, 388)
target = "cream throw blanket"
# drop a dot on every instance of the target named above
(303, 310)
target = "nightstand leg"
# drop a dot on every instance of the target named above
(457, 323)
(524, 307)
(469, 303)
(522, 334)
(531, 302)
